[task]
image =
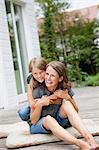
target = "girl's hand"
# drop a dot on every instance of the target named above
(62, 94)
(56, 101)
(53, 97)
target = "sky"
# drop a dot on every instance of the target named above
(77, 4)
(74, 4)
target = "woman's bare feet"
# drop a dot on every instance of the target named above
(95, 147)
(93, 144)
(84, 145)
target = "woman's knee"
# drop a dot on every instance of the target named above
(48, 120)
(67, 104)
(65, 107)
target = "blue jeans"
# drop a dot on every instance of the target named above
(39, 128)
(24, 111)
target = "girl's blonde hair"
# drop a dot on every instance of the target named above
(39, 63)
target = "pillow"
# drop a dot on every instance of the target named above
(20, 127)
(22, 139)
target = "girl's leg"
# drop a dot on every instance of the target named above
(24, 112)
(68, 110)
(51, 124)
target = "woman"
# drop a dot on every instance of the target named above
(37, 68)
(56, 79)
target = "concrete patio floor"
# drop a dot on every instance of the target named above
(88, 101)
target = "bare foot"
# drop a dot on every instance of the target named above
(93, 144)
(84, 145)
(95, 147)
(90, 140)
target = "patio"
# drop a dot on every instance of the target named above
(88, 101)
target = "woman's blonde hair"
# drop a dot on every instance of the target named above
(39, 63)
(60, 68)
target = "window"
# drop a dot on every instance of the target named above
(18, 46)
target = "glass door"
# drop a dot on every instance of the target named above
(18, 46)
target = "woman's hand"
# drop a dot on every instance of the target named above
(44, 101)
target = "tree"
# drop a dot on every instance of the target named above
(83, 51)
(76, 39)
(50, 10)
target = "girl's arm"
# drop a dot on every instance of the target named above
(64, 95)
(30, 98)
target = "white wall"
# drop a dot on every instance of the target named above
(9, 87)
(3, 95)
(30, 27)
(8, 92)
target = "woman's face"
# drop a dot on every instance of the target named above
(51, 78)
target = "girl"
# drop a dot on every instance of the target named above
(37, 67)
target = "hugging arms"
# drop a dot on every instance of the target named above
(65, 114)
(55, 98)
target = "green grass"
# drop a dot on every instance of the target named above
(92, 80)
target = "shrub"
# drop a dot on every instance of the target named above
(93, 80)
(74, 73)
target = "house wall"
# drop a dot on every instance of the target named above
(8, 92)
(3, 96)
(90, 12)
(30, 26)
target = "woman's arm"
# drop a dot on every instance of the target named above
(36, 113)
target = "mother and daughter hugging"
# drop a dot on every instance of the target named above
(50, 106)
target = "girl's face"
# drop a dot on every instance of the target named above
(38, 74)
(52, 78)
